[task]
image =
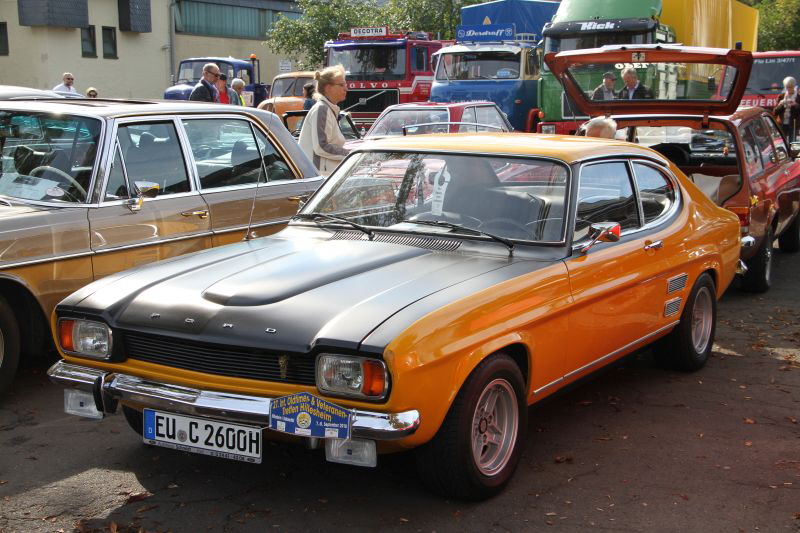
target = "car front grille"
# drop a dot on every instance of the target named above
(220, 359)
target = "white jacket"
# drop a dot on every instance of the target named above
(320, 136)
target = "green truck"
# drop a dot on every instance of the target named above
(581, 24)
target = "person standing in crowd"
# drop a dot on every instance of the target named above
(633, 89)
(788, 109)
(238, 86)
(605, 91)
(205, 91)
(320, 136)
(226, 94)
(67, 84)
(308, 95)
(91, 92)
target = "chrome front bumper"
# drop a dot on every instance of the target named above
(110, 388)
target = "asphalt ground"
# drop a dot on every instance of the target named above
(636, 448)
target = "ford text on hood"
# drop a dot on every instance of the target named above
(430, 290)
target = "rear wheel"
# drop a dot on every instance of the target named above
(477, 448)
(9, 345)
(789, 240)
(688, 346)
(759, 267)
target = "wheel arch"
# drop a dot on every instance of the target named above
(31, 317)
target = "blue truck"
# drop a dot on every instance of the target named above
(191, 69)
(496, 57)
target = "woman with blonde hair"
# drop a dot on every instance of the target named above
(320, 137)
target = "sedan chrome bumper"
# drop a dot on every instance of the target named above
(109, 388)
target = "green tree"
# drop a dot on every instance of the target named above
(439, 17)
(779, 24)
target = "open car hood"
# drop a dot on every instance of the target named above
(680, 79)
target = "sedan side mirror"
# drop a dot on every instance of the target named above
(794, 150)
(142, 190)
(602, 232)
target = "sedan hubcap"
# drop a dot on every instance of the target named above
(702, 319)
(494, 427)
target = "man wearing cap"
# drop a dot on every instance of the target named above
(605, 91)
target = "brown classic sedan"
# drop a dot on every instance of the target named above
(89, 189)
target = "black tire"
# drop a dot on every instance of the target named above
(9, 345)
(789, 240)
(134, 418)
(688, 347)
(759, 267)
(447, 464)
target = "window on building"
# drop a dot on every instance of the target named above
(203, 18)
(109, 42)
(88, 42)
(3, 39)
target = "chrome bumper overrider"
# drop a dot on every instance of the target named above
(109, 388)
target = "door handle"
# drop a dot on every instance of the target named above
(202, 213)
(655, 245)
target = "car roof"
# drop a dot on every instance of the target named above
(231, 60)
(110, 108)
(426, 105)
(567, 148)
(743, 113)
(297, 74)
(14, 91)
(777, 53)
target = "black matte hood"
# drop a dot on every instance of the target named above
(276, 293)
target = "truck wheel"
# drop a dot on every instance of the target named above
(477, 448)
(759, 267)
(688, 346)
(789, 240)
(9, 345)
(134, 418)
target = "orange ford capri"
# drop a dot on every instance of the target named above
(431, 290)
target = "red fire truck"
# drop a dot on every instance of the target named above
(766, 79)
(383, 68)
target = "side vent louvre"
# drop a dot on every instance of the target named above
(672, 306)
(431, 243)
(678, 283)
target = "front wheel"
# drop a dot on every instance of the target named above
(688, 346)
(759, 267)
(477, 448)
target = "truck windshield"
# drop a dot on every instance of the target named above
(370, 62)
(489, 65)
(768, 73)
(563, 43)
(192, 71)
(47, 157)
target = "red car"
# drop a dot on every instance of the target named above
(686, 111)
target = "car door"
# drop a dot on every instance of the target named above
(618, 288)
(786, 179)
(127, 230)
(243, 176)
(469, 119)
(764, 185)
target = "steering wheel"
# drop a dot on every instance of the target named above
(61, 174)
(506, 223)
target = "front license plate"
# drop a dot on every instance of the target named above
(200, 435)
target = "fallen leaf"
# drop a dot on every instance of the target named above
(551, 514)
(137, 496)
(797, 516)
(3, 481)
(322, 500)
(146, 508)
(563, 459)
(602, 439)
(749, 421)
(112, 527)
(791, 419)
(404, 520)
(172, 486)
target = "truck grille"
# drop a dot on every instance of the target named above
(219, 359)
(375, 105)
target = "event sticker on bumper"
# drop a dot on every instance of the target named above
(309, 416)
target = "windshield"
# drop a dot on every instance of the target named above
(487, 65)
(510, 197)
(370, 62)
(192, 71)
(392, 122)
(768, 73)
(288, 86)
(593, 40)
(47, 157)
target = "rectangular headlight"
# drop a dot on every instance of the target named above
(85, 337)
(356, 377)
(549, 129)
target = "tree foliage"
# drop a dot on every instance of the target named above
(779, 24)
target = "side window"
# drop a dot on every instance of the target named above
(764, 144)
(244, 75)
(655, 191)
(468, 116)
(117, 186)
(276, 168)
(752, 159)
(490, 116)
(298, 85)
(153, 154)
(777, 139)
(605, 195)
(225, 152)
(419, 59)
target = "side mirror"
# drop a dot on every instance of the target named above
(147, 189)
(794, 150)
(602, 232)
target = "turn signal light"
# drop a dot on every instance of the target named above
(374, 379)
(65, 328)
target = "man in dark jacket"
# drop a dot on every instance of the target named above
(205, 91)
(633, 90)
(605, 91)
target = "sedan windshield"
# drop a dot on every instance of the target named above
(490, 65)
(393, 122)
(507, 197)
(47, 157)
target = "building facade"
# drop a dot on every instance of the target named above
(129, 48)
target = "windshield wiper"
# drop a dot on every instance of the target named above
(443, 224)
(317, 216)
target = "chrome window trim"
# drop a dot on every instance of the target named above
(155, 242)
(251, 226)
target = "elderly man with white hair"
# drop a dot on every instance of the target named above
(788, 109)
(602, 127)
(238, 86)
